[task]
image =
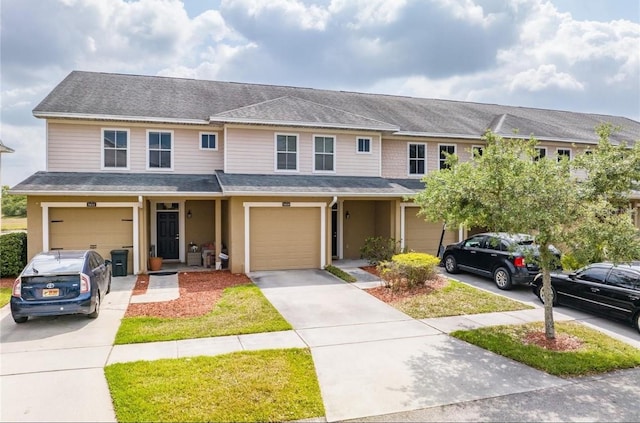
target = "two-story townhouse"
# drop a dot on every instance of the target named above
(276, 177)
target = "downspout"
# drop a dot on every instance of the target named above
(334, 201)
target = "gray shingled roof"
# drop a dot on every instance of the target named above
(118, 183)
(238, 184)
(130, 96)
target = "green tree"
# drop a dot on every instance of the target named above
(13, 205)
(509, 188)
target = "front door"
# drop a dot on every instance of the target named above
(168, 237)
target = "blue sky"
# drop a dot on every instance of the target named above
(578, 55)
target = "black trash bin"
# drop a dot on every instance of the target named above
(119, 260)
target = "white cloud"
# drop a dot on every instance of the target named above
(294, 12)
(542, 78)
(368, 13)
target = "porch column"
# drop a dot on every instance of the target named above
(218, 226)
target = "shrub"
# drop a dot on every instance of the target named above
(569, 262)
(13, 253)
(408, 270)
(377, 249)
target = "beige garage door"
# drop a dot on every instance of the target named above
(424, 237)
(284, 238)
(103, 229)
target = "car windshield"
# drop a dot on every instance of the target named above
(50, 264)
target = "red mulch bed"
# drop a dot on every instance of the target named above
(199, 292)
(371, 269)
(7, 282)
(389, 295)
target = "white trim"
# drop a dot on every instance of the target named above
(313, 153)
(226, 145)
(247, 227)
(54, 115)
(358, 138)
(275, 152)
(455, 151)
(67, 204)
(46, 147)
(120, 193)
(153, 224)
(341, 229)
(215, 134)
(416, 175)
(479, 137)
(173, 141)
(380, 155)
(223, 120)
(115, 168)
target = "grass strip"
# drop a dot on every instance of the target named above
(241, 309)
(456, 299)
(599, 353)
(256, 386)
(336, 271)
(5, 296)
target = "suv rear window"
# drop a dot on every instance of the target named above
(624, 279)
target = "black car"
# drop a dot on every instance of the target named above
(603, 288)
(506, 258)
(61, 282)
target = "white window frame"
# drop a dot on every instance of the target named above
(313, 150)
(538, 149)
(477, 146)
(102, 166)
(173, 142)
(215, 135)
(416, 175)
(558, 157)
(370, 139)
(440, 159)
(275, 152)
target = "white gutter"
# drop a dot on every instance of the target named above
(333, 202)
(120, 193)
(479, 137)
(88, 116)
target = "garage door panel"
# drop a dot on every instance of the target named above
(422, 236)
(102, 229)
(284, 238)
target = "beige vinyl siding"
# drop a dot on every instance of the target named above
(394, 159)
(253, 151)
(424, 237)
(77, 148)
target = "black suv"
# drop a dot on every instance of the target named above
(496, 255)
(603, 288)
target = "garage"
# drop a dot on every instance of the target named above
(424, 236)
(102, 229)
(284, 238)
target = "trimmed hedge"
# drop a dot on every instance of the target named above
(408, 270)
(13, 253)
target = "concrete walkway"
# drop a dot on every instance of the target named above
(161, 288)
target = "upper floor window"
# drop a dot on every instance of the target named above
(562, 153)
(444, 151)
(324, 152)
(115, 148)
(363, 145)
(541, 153)
(417, 159)
(208, 141)
(476, 151)
(160, 149)
(286, 152)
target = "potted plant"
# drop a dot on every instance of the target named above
(155, 263)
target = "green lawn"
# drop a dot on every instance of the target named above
(256, 386)
(456, 299)
(336, 271)
(5, 296)
(241, 309)
(14, 223)
(599, 353)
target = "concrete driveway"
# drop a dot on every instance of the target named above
(51, 368)
(372, 359)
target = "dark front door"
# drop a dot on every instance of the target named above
(334, 231)
(168, 235)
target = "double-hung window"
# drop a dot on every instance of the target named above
(208, 141)
(417, 159)
(363, 145)
(115, 148)
(160, 149)
(563, 153)
(286, 152)
(541, 153)
(444, 151)
(324, 153)
(476, 151)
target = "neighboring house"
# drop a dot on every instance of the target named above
(277, 177)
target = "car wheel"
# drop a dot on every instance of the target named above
(450, 264)
(502, 278)
(554, 295)
(20, 319)
(96, 311)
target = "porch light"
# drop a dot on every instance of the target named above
(189, 214)
(347, 215)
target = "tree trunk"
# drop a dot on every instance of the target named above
(546, 259)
